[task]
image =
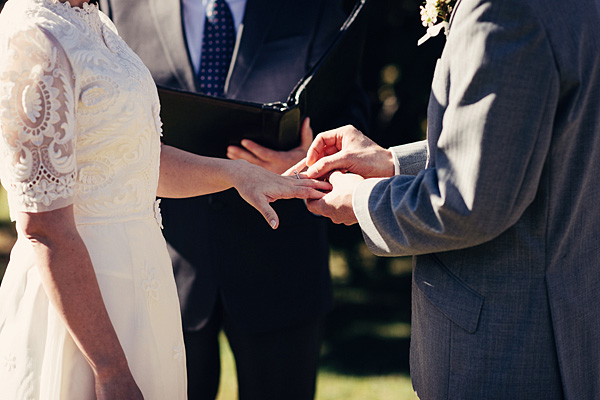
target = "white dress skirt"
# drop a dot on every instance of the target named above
(40, 359)
(79, 125)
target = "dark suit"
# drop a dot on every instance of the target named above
(225, 256)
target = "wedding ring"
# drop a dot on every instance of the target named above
(296, 173)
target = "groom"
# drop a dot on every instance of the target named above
(499, 205)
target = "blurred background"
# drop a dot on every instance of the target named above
(365, 353)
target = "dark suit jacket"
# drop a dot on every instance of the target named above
(219, 244)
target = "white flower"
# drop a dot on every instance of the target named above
(64, 187)
(10, 362)
(431, 12)
(178, 351)
(150, 284)
(44, 192)
(435, 9)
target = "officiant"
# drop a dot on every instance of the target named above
(268, 293)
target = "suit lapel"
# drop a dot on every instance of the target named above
(168, 21)
(258, 19)
(452, 15)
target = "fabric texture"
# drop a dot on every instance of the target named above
(79, 123)
(193, 15)
(502, 217)
(218, 42)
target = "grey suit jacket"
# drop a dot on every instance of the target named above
(503, 215)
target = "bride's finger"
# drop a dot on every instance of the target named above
(300, 192)
(313, 183)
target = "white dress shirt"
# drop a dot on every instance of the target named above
(194, 13)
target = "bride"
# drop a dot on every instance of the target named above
(88, 305)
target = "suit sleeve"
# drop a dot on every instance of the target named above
(497, 86)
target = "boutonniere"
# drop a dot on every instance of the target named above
(431, 12)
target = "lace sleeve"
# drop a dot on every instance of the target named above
(37, 121)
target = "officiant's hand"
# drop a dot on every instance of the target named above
(345, 149)
(337, 204)
(273, 160)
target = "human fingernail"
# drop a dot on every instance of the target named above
(273, 223)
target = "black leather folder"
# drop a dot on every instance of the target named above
(206, 125)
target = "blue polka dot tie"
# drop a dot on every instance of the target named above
(217, 48)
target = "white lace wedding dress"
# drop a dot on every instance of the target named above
(79, 124)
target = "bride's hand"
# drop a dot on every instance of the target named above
(117, 387)
(260, 187)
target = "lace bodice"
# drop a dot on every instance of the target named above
(79, 114)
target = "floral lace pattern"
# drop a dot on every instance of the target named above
(80, 126)
(37, 120)
(150, 284)
(178, 351)
(10, 362)
(79, 117)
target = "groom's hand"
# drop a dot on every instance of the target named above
(274, 161)
(346, 149)
(337, 204)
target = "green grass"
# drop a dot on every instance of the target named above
(330, 385)
(367, 335)
(4, 217)
(341, 387)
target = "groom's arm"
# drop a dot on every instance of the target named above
(486, 162)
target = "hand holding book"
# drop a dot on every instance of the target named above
(208, 125)
(273, 160)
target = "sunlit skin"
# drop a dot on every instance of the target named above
(346, 157)
(337, 204)
(273, 160)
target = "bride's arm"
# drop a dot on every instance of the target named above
(184, 174)
(37, 144)
(69, 281)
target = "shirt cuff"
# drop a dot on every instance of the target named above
(360, 204)
(396, 162)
